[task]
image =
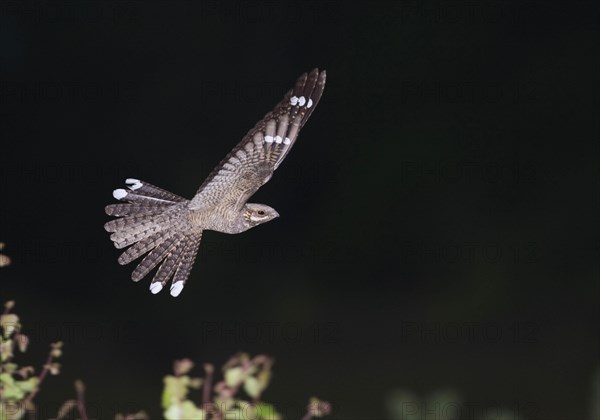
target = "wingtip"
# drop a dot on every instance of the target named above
(302, 78)
(322, 76)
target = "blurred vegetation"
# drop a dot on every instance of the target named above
(19, 384)
(403, 404)
(4, 259)
(445, 404)
(236, 396)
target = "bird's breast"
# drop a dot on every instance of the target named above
(223, 220)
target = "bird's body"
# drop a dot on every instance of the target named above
(168, 228)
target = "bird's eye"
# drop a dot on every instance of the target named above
(261, 212)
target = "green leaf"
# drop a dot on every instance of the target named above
(267, 412)
(27, 385)
(9, 323)
(234, 376)
(258, 411)
(6, 379)
(195, 383)
(187, 410)
(10, 391)
(182, 367)
(235, 414)
(175, 390)
(191, 412)
(173, 412)
(264, 377)
(11, 367)
(6, 350)
(11, 410)
(253, 387)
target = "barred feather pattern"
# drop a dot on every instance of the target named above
(186, 264)
(144, 227)
(252, 162)
(154, 257)
(120, 210)
(167, 228)
(153, 222)
(140, 248)
(168, 267)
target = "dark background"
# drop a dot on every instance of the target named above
(439, 225)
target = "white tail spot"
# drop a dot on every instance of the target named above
(286, 140)
(278, 139)
(310, 103)
(301, 101)
(156, 287)
(294, 100)
(176, 288)
(268, 139)
(133, 183)
(119, 194)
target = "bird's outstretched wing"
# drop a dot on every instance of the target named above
(252, 162)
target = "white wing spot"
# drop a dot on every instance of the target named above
(133, 183)
(286, 140)
(119, 194)
(176, 288)
(294, 100)
(278, 139)
(156, 287)
(310, 103)
(268, 139)
(301, 101)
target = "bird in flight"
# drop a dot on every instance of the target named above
(168, 228)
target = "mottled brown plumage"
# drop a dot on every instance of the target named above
(168, 228)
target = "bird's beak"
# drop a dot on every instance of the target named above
(276, 215)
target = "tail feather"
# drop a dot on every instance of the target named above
(149, 190)
(125, 223)
(146, 226)
(186, 264)
(141, 247)
(154, 257)
(126, 227)
(153, 221)
(168, 267)
(120, 210)
(124, 241)
(133, 197)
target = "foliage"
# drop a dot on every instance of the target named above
(240, 372)
(241, 375)
(18, 384)
(4, 259)
(447, 404)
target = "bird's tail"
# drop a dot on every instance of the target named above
(152, 220)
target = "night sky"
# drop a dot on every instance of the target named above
(439, 212)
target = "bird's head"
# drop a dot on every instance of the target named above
(257, 214)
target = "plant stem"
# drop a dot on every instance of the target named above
(207, 384)
(43, 374)
(81, 402)
(307, 416)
